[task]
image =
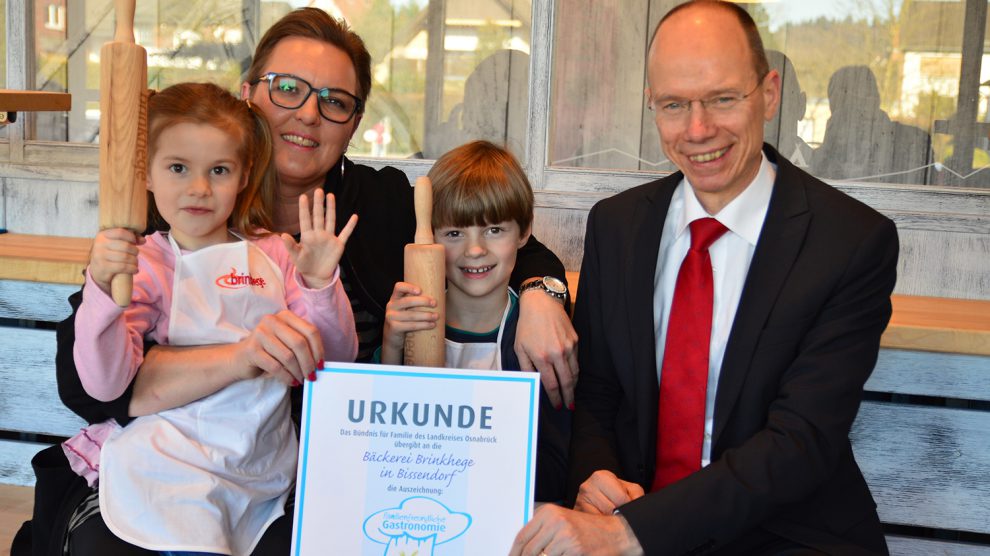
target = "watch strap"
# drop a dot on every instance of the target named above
(538, 284)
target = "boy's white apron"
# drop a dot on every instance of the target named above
(481, 356)
(209, 476)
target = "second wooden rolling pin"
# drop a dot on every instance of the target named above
(425, 267)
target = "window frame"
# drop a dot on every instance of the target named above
(913, 207)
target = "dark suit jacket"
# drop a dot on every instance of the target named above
(804, 340)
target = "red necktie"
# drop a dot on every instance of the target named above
(684, 373)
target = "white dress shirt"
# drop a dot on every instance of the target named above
(730, 255)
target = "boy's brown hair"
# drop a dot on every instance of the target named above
(480, 183)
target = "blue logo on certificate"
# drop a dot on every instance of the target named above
(415, 527)
(408, 461)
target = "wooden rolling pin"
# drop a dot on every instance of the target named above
(425, 267)
(123, 136)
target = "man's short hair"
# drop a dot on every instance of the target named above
(759, 55)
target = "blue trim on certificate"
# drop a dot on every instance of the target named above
(305, 459)
(529, 457)
(452, 374)
(441, 373)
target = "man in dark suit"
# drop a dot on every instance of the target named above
(799, 278)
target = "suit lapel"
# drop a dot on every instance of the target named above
(780, 242)
(647, 223)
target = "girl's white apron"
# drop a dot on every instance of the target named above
(209, 476)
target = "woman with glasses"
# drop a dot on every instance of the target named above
(310, 77)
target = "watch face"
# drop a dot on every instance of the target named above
(555, 285)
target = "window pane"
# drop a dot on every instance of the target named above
(480, 89)
(198, 40)
(3, 44)
(871, 90)
(3, 56)
(597, 89)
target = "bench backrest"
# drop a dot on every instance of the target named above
(922, 438)
(29, 402)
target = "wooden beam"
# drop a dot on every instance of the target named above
(34, 101)
(43, 258)
(939, 324)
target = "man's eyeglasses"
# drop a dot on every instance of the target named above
(677, 109)
(289, 91)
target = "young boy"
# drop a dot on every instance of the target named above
(482, 214)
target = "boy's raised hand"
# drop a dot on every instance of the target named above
(114, 252)
(319, 248)
(400, 319)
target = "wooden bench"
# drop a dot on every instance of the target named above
(29, 402)
(921, 439)
(922, 436)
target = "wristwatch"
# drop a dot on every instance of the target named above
(552, 286)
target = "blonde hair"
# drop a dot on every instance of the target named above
(480, 183)
(208, 104)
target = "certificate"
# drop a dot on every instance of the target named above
(412, 461)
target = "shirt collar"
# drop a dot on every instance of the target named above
(744, 215)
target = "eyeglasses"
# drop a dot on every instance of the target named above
(289, 91)
(678, 109)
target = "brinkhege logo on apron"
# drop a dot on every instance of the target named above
(235, 281)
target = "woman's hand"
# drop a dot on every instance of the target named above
(319, 249)
(283, 346)
(546, 341)
(402, 318)
(114, 252)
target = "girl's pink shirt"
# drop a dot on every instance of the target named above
(109, 345)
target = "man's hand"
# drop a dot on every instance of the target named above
(603, 492)
(557, 531)
(546, 342)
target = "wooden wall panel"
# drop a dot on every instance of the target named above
(945, 239)
(562, 230)
(937, 264)
(51, 207)
(944, 264)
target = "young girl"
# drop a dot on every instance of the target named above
(212, 475)
(482, 214)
